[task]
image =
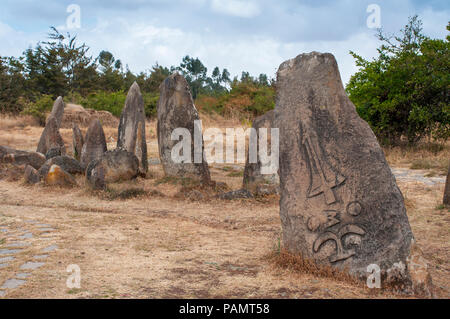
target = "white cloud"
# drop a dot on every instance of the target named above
(238, 8)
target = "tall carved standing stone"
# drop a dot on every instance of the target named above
(340, 204)
(132, 127)
(447, 189)
(255, 178)
(176, 109)
(94, 144)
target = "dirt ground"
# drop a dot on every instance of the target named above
(158, 245)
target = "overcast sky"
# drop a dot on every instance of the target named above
(253, 35)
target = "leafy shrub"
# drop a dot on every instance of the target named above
(112, 102)
(39, 108)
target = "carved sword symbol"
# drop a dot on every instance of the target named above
(326, 184)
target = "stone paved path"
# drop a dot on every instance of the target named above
(408, 175)
(24, 248)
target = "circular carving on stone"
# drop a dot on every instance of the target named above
(354, 208)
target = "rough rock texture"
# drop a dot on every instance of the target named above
(95, 175)
(31, 175)
(17, 157)
(67, 163)
(58, 111)
(253, 177)
(94, 144)
(56, 176)
(51, 138)
(132, 127)
(238, 194)
(176, 109)
(340, 204)
(447, 189)
(77, 141)
(53, 152)
(76, 114)
(118, 165)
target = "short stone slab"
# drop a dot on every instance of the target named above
(40, 256)
(9, 251)
(154, 161)
(50, 248)
(26, 236)
(32, 265)
(19, 244)
(4, 259)
(23, 275)
(12, 283)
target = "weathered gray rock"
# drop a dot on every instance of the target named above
(51, 138)
(67, 163)
(53, 152)
(56, 176)
(17, 157)
(447, 189)
(95, 175)
(132, 127)
(115, 166)
(340, 204)
(94, 144)
(254, 178)
(58, 111)
(238, 194)
(31, 175)
(176, 109)
(77, 141)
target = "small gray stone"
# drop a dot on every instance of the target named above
(40, 256)
(26, 236)
(12, 283)
(31, 175)
(50, 248)
(32, 265)
(17, 244)
(23, 275)
(9, 251)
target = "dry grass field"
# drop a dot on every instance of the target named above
(144, 239)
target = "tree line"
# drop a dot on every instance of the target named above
(62, 67)
(403, 93)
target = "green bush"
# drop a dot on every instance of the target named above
(404, 93)
(150, 104)
(39, 108)
(112, 102)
